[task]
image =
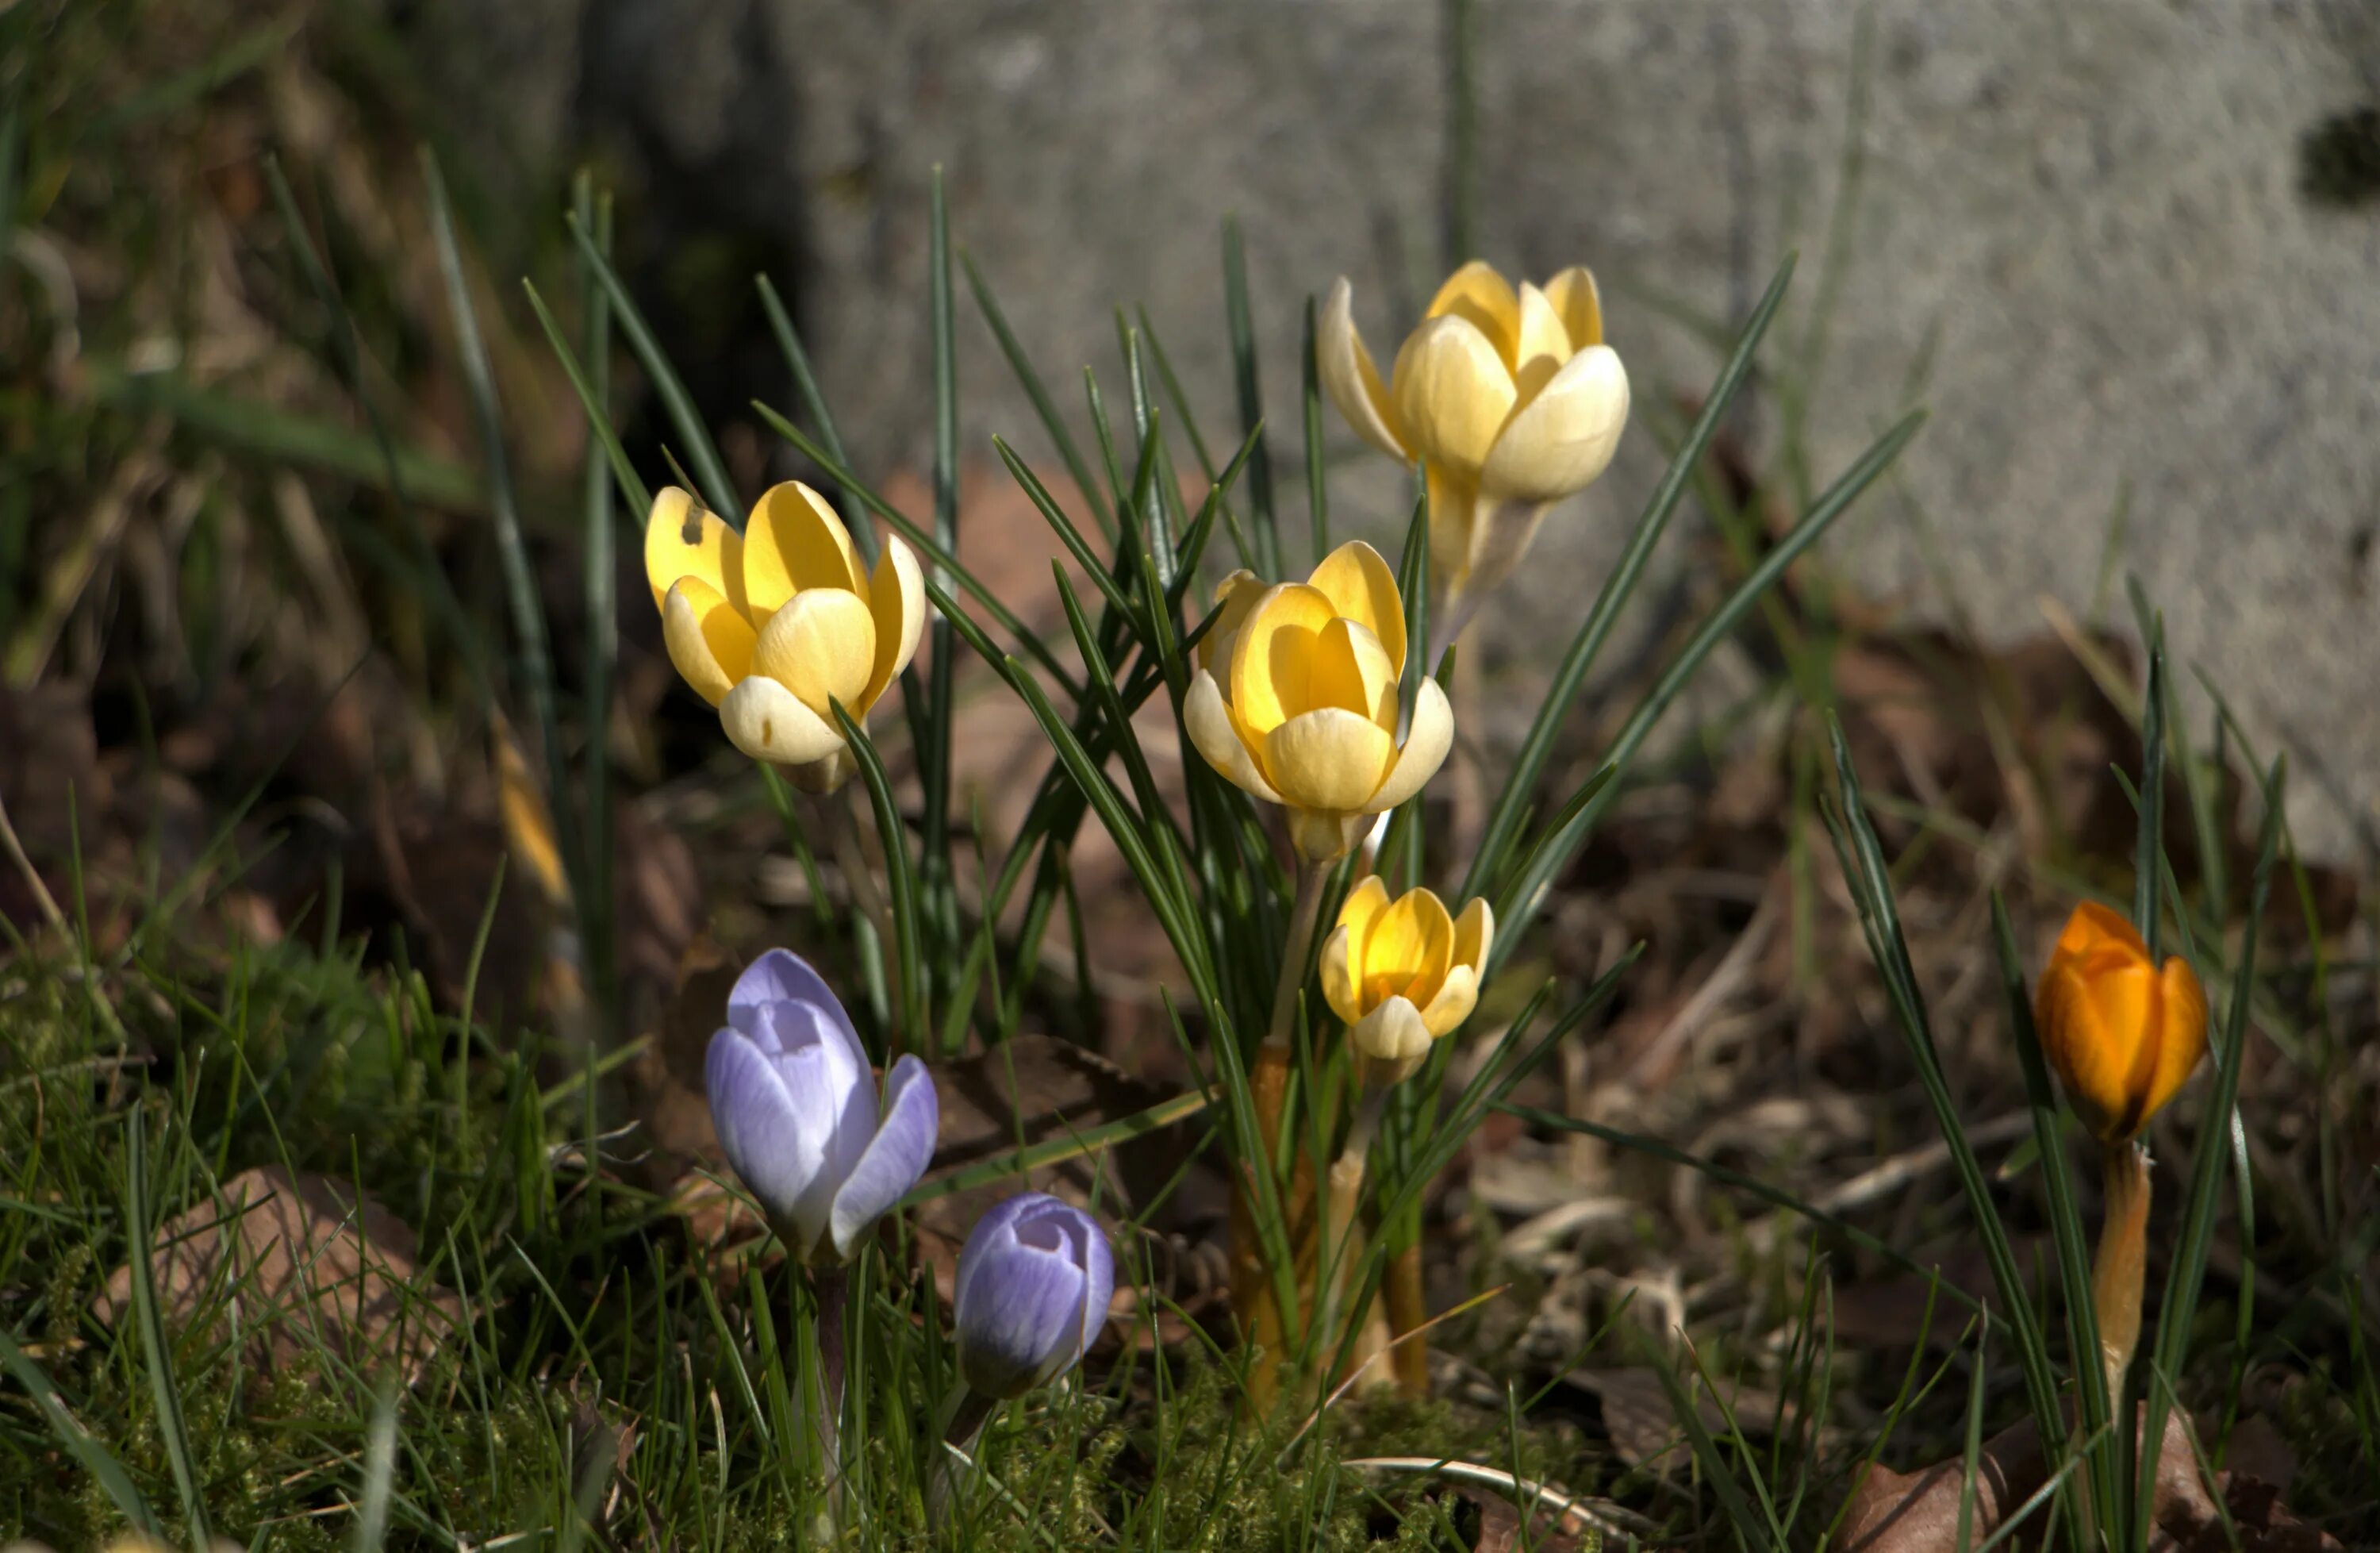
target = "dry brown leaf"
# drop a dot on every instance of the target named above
(299, 1260)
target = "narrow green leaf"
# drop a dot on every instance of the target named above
(149, 1320)
(78, 1441)
(1317, 485)
(591, 399)
(797, 362)
(1030, 381)
(1251, 392)
(2148, 851)
(908, 946)
(600, 585)
(1052, 1151)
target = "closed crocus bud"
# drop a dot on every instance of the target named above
(1298, 705)
(1034, 1280)
(795, 1104)
(2123, 1032)
(1511, 397)
(1403, 972)
(775, 624)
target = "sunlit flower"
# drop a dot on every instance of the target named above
(2123, 1032)
(1403, 972)
(793, 1101)
(1034, 1281)
(1512, 400)
(775, 624)
(1296, 699)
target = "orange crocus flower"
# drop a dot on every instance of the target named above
(2123, 1033)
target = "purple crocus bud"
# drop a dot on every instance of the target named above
(1034, 1280)
(794, 1106)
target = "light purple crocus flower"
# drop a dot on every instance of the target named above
(794, 1106)
(1033, 1286)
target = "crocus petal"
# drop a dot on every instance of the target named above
(1349, 375)
(765, 720)
(1340, 975)
(1329, 759)
(1033, 1287)
(686, 539)
(1573, 295)
(782, 976)
(1360, 586)
(1426, 742)
(903, 1147)
(760, 1131)
(1211, 729)
(1560, 441)
(1273, 657)
(822, 646)
(1452, 392)
(1475, 933)
(835, 1103)
(1237, 594)
(708, 640)
(1545, 343)
(1477, 294)
(1365, 903)
(896, 599)
(794, 543)
(1409, 948)
(1351, 671)
(2180, 1035)
(1456, 998)
(1393, 1033)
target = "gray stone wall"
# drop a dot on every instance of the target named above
(2083, 228)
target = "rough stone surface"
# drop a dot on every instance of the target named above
(2080, 234)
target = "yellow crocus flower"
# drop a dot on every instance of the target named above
(2123, 1032)
(1297, 701)
(773, 625)
(1510, 398)
(1403, 972)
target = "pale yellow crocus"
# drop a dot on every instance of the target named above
(1509, 400)
(1296, 699)
(1403, 972)
(774, 625)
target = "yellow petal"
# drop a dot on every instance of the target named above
(1237, 594)
(1453, 392)
(1545, 343)
(709, 642)
(1453, 521)
(1360, 585)
(1573, 295)
(1457, 995)
(794, 543)
(1339, 986)
(1474, 935)
(1477, 293)
(1351, 671)
(1272, 658)
(896, 600)
(1352, 381)
(1426, 742)
(1212, 730)
(1560, 441)
(1392, 1033)
(1409, 949)
(1363, 908)
(684, 539)
(768, 722)
(822, 647)
(1328, 759)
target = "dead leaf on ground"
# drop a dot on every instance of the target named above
(298, 1261)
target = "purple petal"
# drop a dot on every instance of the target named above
(760, 1130)
(1027, 1279)
(833, 1098)
(782, 976)
(898, 1155)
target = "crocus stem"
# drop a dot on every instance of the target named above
(2118, 1274)
(832, 1284)
(968, 1413)
(1252, 1291)
(1407, 1308)
(1346, 1195)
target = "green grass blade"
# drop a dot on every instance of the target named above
(1068, 533)
(2148, 852)
(149, 1321)
(718, 491)
(76, 1440)
(932, 732)
(1536, 748)
(1829, 505)
(599, 587)
(1317, 485)
(592, 398)
(1073, 1145)
(1752, 1528)
(1060, 438)
(908, 946)
(1251, 394)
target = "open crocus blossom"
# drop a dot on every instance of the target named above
(1034, 1281)
(1296, 699)
(794, 1101)
(773, 625)
(2123, 1032)
(1510, 398)
(1403, 972)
